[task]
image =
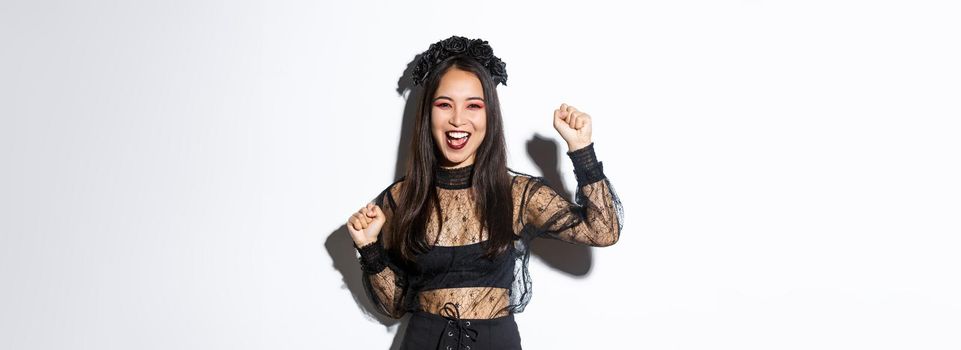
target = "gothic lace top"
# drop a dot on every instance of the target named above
(453, 270)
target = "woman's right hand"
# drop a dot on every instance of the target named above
(364, 226)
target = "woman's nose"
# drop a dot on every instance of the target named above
(456, 119)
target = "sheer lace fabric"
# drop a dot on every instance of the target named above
(453, 271)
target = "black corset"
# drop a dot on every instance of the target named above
(463, 266)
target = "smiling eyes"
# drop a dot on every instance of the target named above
(445, 105)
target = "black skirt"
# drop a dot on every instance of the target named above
(449, 332)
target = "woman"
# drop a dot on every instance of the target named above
(449, 242)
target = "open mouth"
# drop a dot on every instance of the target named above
(457, 139)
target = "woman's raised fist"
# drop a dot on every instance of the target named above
(364, 226)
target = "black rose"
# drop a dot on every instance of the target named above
(476, 49)
(455, 44)
(498, 70)
(421, 70)
(435, 56)
(415, 76)
(480, 50)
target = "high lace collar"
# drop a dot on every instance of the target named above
(454, 178)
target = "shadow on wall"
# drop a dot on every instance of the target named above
(575, 260)
(570, 258)
(340, 247)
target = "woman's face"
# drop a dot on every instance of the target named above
(458, 117)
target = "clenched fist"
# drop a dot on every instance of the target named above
(574, 126)
(364, 226)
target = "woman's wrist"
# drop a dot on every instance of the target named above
(587, 168)
(360, 244)
(572, 147)
(373, 257)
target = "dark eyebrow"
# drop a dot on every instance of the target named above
(452, 100)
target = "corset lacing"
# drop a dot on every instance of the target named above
(451, 312)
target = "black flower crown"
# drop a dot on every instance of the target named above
(477, 49)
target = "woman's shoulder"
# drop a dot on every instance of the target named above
(396, 185)
(521, 181)
(518, 177)
(390, 194)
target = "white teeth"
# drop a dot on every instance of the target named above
(457, 135)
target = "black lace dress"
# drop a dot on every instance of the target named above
(454, 281)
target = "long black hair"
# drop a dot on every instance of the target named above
(491, 185)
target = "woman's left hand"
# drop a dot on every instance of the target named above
(574, 126)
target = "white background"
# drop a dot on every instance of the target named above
(176, 174)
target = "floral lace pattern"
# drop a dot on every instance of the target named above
(595, 218)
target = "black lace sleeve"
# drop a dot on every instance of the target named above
(385, 283)
(596, 217)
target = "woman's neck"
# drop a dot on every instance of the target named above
(459, 177)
